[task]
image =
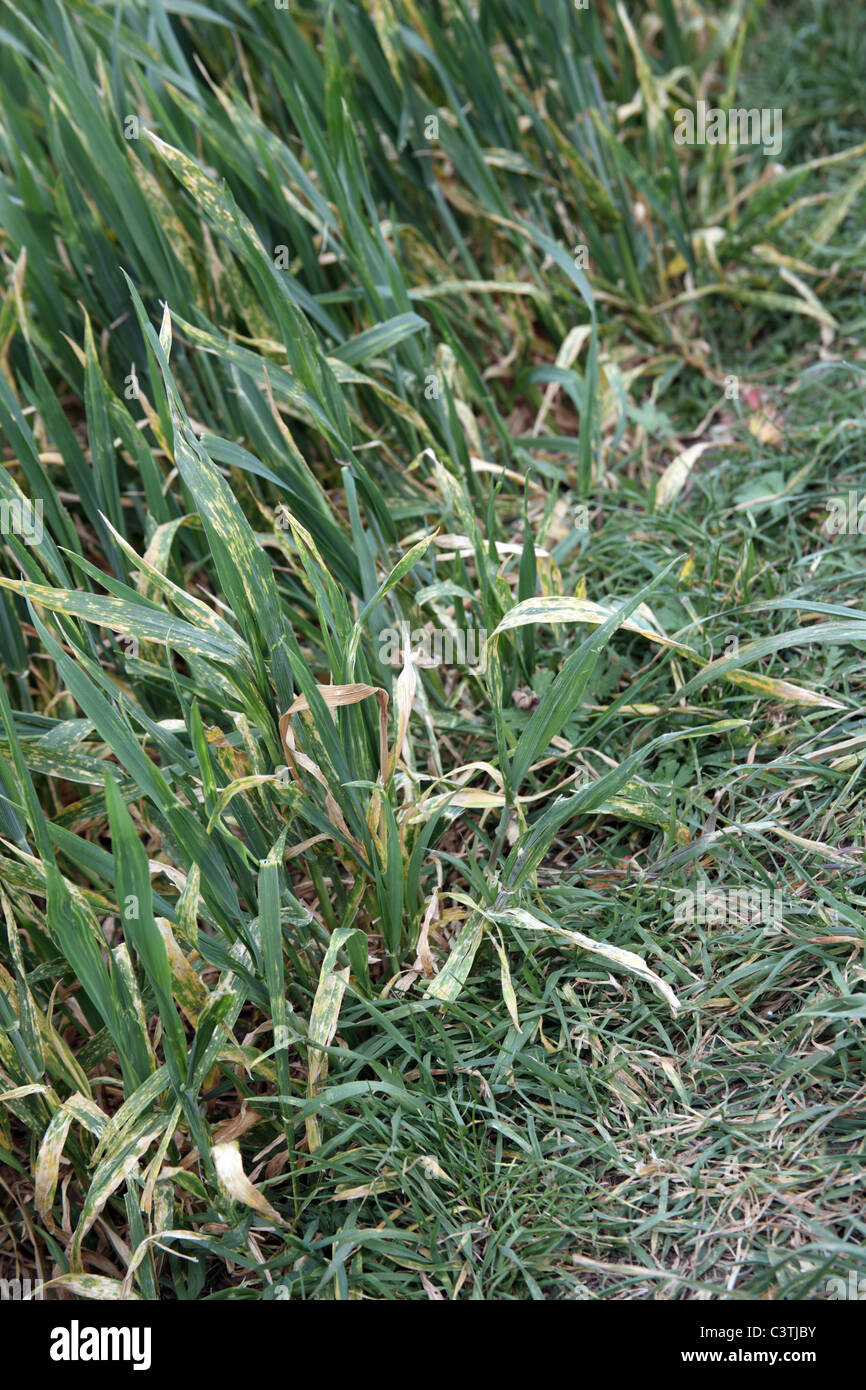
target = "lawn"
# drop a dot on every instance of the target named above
(432, 632)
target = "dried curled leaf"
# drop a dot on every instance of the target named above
(233, 1180)
(337, 697)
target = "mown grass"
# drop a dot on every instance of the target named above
(299, 343)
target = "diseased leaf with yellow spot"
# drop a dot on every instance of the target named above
(626, 960)
(97, 1286)
(47, 1170)
(324, 1017)
(452, 977)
